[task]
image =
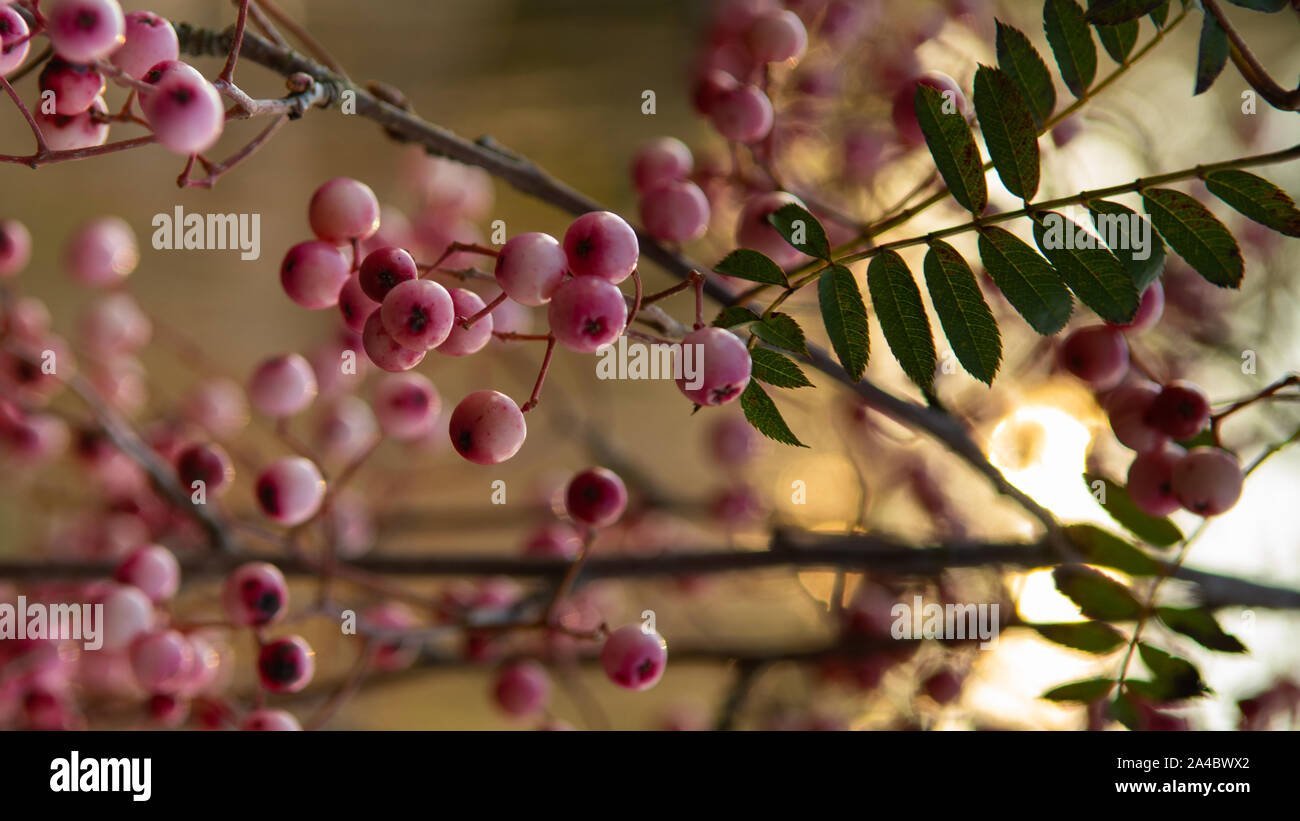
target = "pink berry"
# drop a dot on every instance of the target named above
(1065, 131)
(344, 209)
(586, 313)
(128, 613)
(530, 267)
(753, 230)
(162, 661)
(286, 664)
(487, 428)
(115, 324)
(1208, 481)
(420, 314)
(675, 212)
(406, 405)
(555, 540)
(384, 269)
(634, 658)
(596, 497)
(75, 87)
(777, 37)
(313, 274)
(742, 114)
(185, 112)
(385, 351)
(465, 341)
(710, 87)
(1180, 411)
(15, 247)
(662, 160)
(355, 306)
(601, 244)
(345, 429)
(102, 252)
(206, 463)
(150, 40)
(255, 595)
(290, 491)
(904, 111)
(1097, 354)
(12, 28)
(721, 365)
(260, 721)
(733, 441)
(153, 569)
(83, 31)
(1150, 480)
(393, 654)
(75, 132)
(944, 686)
(217, 406)
(282, 386)
(1149, 311)
(27, 319)
(1127, 406)
(522, 688)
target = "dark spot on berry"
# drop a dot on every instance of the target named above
(418, 320)
(86, 20)
(413, 399)
(464, 441)
(387, 279)
(584, 247)
(645, 669)
(183, 96)
(594, 326)
(268, 604)
(724, 394)
(268, 498)
(281, 664)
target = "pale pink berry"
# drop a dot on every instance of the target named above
(385, 351)
(1180, 411)
(586, 313)
(15, 247)
(185, 112)
(596, 497)
(742, 114)
(407, 406)
(353, 524)
(115, 324)
(286, 664)
(1065, 131)
(1150, 309)
(753, 230)
(313, 274)
(83, 31)
(282, 386)
(634, 658)
(355, 306)
(1097, 354)
(128, 613)
(345, 429)
(150, 40)
(864, 154)
(661, 160)
(733, 441)
(27, 319)
(75, 87)
(420, 314)
(162, 661)
(38, 438)
(262, 721)
(1150, 480)
(904, 110)
(290, 491)
(1208, 481)
(601, 244)
(675, 212)
(710, 86)
(383, 269)
(487, 428)
(777, 37)
(343, 209)
(530, 267)
(715, 366)
(205, 463)
(556, 540)
(75, 132)
(12, 28)
(102, 252)
(393, 654)
(218, 406)
(522, 688)
(255, 595)
(465, 341)
(1127, 406)
(153, 569)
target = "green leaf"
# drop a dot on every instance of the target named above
(1026, 279)
(1197, 236)
(952, 145)
(1022, 63)
(1101, 548)
(1094, 274)
(1256, 198)
(1269, 6)
(1204, 439)
(1174, 678)
(1211, 54)
(762, 413)
(1116, 501)
(782, 331)
(963, 313)
(1119, 38)
(1009, 131)
(1160, 13)
(1097, 595)
(845, 318)
(1124, 710)
(1071, 41)
(777, 369)
(1088, 636)
(802, 230)
(752, 266)
(902, 316)
(733, 316)
(1087, 690)
(1120, 226)
(1199, 624)
(1112, 12)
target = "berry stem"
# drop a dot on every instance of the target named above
(236, 44)
(42, 149)
(535, 396)
(468, 322)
